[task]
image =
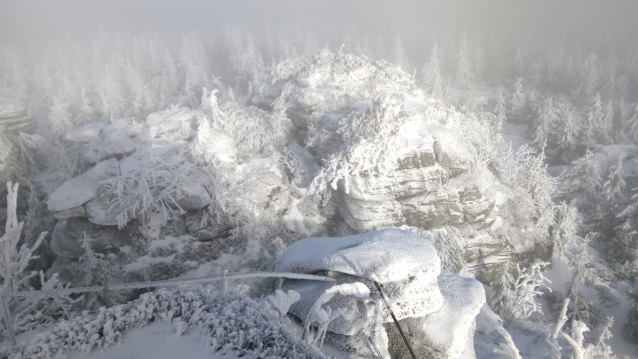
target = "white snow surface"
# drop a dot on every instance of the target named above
(388, 255)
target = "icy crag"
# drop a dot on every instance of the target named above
(424, 298)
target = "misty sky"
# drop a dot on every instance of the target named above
(41, 21)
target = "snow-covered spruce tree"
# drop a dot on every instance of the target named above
(59, 117)
(502, 296)
(543, 124)
(614, 183)
(605, 128)
(518, 102)
(564, 232)
(567, 133)
(583, 182)
(500, 116)
(593, 118)
(110, 92)
(589, 77)
(432, 78)
(87, 112)
(398, 55)
(464, 68)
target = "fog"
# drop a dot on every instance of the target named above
(40, 22)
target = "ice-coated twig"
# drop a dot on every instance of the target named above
(507, 349)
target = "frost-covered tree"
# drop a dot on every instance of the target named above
(464, 68)
(59, 117)
(110, 91)
(543, 124)
(583, 182)
(614, 183)
(500, 116)
(87, 112)
(567, 132)
(432, 78)
(564, 232)
(606, 125)
(398, 55)
(518, 103)
(503, 295)
(590, 126)
(526, 286)
(589, 77)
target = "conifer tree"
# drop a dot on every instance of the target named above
(432, 79)
(567, 131)
(518, 103)
(500, 116)
(502, 296)
(543, 124)
(605, 127)
(86, 113)
(589, 80)
(614, 184)
(111, 92)
(398, 55)
(564, 233)
(592, 119)
(59, 117)
(464, 70)
(583, 181)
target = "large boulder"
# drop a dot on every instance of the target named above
(407, 267)
(81, 189)
(65, 240)
(14, 117)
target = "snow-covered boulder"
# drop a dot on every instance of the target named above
(173, 123)
(194, 197)
(81, 189)
(14, 117)
(86, 133)
(407, 267)
(66, 236)
(447, 333)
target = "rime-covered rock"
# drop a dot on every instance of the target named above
(86, 133)
(98, 211)
(69, 213)
(81, 189)
(447, 333)
(14, 117)
(205, 232)
(66, 236)
(109, 146)
(438, 307)
(194, 197)
(173, 123)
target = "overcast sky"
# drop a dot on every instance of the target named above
(37, 21)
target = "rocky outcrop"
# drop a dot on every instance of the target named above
(436, 306)
(81, 189)
(65, 239)
(14, 117)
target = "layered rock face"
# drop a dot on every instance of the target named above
(424, 298)
(14, 117)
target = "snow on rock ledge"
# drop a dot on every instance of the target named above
(406, 264)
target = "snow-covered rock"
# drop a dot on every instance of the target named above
(205, 232)
(14, 117)
(447, 333)
(72, 212)
(408, 268)
(86, 133)
(81, 189)
(109, 146)
(173, 123)
(66, 236)
(194, 197)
